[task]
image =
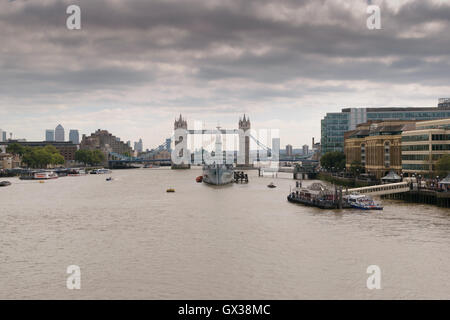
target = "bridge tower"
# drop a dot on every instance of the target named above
(181, 137)
(244, 142)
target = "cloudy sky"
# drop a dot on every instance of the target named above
(136, 64)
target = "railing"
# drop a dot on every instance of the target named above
(382, 189)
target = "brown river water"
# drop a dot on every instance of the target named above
(132, 240)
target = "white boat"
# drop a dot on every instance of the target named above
(363, 202)
(100, 171)
(45, 175)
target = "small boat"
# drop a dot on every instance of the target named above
(271, 185)
(170, 190)
(199, 179)
(363, 202)
(5, 183)
(109, 179)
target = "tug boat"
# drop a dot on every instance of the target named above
(362, 202)
(271, 185)
(5, 183)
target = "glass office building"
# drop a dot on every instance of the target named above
(334, 125)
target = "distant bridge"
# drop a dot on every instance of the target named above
(244, 146)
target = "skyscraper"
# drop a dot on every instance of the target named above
(138, 146)
(289, 150)
(1, 135)
(74, 136)
(59, 133)
(305, 149)
(49, 135)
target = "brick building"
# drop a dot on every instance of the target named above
(376, 145)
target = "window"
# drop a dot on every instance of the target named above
(415, 157)
(438, 147)
(408, 166)
(418, 147)
(363, 154)
(387, 154)
(422, 137)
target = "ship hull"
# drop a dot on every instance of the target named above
(217, 175)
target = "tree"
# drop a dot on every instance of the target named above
(41, 157)
(57, 159)
(15, 149)
(334, 160)
(356, 168)
(97, 157)
(443, 165)
(82, 156)
(91, 157)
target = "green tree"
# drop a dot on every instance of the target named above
(334, 160)
(57, 159)
(90, 157)
(82, 156)
(356, 168)
(97, 157)
(15, 149)
(41, 157)
(443, 165)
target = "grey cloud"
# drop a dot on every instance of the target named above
(123, 44)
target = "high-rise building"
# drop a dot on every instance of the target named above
(4, 136)
(1, 135)
(59, 133)
(49, 135)
(335, 124)
(138, 147)
(289, 150)
(74, 136)
(305, 149)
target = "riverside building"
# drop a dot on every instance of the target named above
(104, 141)
(335, 124)
(423, 146)
(376, 145)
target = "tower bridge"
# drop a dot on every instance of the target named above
(180, 136)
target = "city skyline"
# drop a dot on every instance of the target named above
(285, 63)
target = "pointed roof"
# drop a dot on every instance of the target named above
(392, 176)
(446, 180)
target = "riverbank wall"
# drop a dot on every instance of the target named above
(425, 196)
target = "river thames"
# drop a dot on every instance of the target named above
(132, 240)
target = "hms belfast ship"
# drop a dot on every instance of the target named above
(218, 173)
